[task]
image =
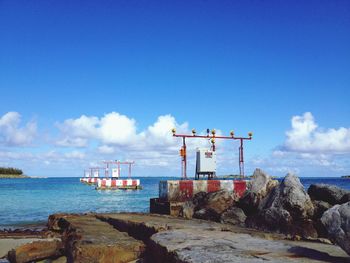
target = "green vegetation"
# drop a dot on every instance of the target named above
(10, 172)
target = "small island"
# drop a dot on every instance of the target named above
(9, 172)
(346, 176)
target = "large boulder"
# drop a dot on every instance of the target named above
(345, 198)
(207, 214)
(233, 216)
(260, 186)
(261, 183)
(319, 208)
(288, 208)
(208, 206)
(328, 193)
(199, 199)
(220, 201)
(249, 203)
(291, 196)
(336, 220)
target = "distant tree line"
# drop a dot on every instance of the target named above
(10, 170)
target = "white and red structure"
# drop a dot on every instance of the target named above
(183, 190)
(174, 193)
(111, 176)
(91, 175)
(109, 183)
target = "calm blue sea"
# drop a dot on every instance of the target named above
(29, 201)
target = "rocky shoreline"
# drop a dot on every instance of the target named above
(272, 221)
(135, 237)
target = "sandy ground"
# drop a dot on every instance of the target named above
(7, 244)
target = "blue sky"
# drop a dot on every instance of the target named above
(132, 65)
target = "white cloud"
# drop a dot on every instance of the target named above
(12, 134)
(106, 149)
(75, 155)
(310, 150)
(112, 128)
(306, 136)
(116, 136)
(72, 142)
(115, 128)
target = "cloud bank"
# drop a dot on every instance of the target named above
(307, 137)
(13, 134)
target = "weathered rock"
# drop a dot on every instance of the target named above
(233, 216)
(207, 214)
(319, 208)
(219, 201)
(199, 199)
(249, 203)
(193, 246)
(36, 250)
(174, 239)
(261, 183)
(208, 206)
(187, 210)
(328, 193)
(286, 209)
(88, 239)
(291, 196)
(337, 223)
(345, 198)
(260, 186)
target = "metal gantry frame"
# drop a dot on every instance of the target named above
(92, 169)
(118, 163)
(210, 136)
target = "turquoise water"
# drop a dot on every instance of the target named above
(27, 201)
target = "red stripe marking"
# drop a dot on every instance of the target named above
(125, 182)
(103, 183)
(213, 185)
(186, 189)
(134, 183)
(240, 187)
(113, 183)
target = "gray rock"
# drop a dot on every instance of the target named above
(207, 214)
(219, 201)
(291, 196)
(261, 183)
(199, 199)
(260, 186)
(249, 203)
(287, 208)
(337, 223)
(345, 198)
(320, 208)
(328, 193)
(233, 216)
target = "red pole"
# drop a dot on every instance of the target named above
(184, 159)
(241, 160)
(118, 169)
(106, 171)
